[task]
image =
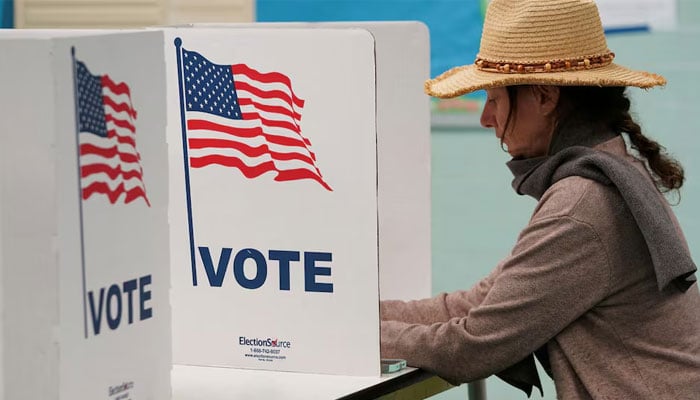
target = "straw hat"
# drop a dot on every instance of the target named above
(545, 42)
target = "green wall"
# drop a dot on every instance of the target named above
(477, 216)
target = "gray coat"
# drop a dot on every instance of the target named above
(580, 281)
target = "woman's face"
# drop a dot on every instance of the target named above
(530, 130)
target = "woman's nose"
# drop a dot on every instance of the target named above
(486, 119)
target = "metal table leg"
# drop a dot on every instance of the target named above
(477, 390)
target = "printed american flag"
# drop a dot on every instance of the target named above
(110, 164)
(240, 118)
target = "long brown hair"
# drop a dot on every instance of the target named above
(609, 108)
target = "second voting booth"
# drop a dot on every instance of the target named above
(84, 252)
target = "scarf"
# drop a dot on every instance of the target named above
(571, 154)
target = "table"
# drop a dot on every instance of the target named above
(211, 383)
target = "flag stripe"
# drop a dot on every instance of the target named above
(291, 175)
(113, 194)
(295, 116)
(119, 107)
(250, 161)
(264, 94)
(270, 122)
(121, 123)
(257, 170)
(112, 172)
(255, 141)
(112, 184)
(195, 124)
(247, 150)
(122, 139)
(248, 171)
(110, 152)
(119, 99)
(269, 77)
(116, 88)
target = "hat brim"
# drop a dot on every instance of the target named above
(468, 78)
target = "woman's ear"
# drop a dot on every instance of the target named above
(547, 98)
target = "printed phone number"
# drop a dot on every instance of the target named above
(258, 350)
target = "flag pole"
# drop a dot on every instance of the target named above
(80, 189)
(185, 157)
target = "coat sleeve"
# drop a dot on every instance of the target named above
(557, 271)
(440, 308)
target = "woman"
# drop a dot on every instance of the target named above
(600, 285)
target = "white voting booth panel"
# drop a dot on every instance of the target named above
(83, 211)
(403, 150)
(403, 147)
(273, 200)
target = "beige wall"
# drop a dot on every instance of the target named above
(128, 13)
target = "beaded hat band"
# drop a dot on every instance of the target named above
(553, 66)
(540, 42)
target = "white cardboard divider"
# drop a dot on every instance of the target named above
(83, 216)
(403, 146)
(403, 141)
(273, 199)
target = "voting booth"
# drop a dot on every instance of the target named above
(301, 195)
(299, 186)
(273, 199)
(84, 256)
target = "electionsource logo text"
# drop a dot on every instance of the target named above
(269, 342)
